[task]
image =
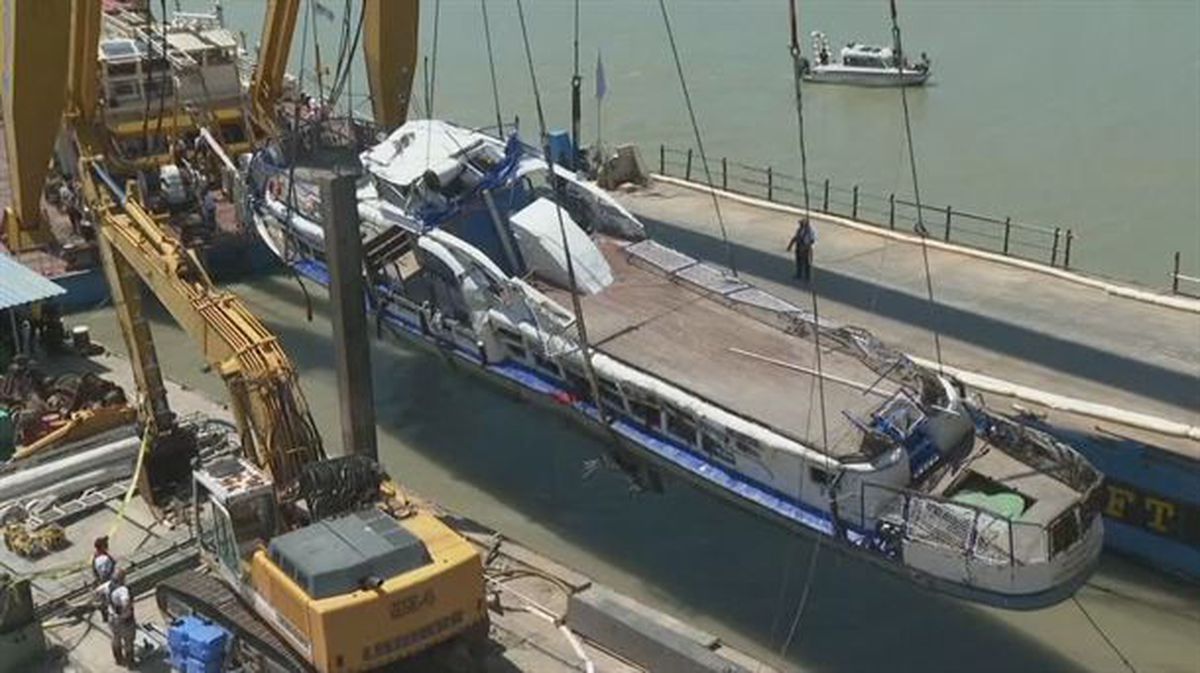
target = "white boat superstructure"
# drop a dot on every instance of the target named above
(862, 65)
(699, 374)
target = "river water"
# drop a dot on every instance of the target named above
(1062, 113)
(1076, 114)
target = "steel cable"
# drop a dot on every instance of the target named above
(687, 99)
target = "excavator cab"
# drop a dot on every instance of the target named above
(235, 512)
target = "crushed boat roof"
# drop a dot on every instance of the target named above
(650, 322)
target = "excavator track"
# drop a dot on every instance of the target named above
(211, 599)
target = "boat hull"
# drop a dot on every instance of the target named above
(662, 454)
(866, 77)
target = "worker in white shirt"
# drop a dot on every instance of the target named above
(103, 565)
(124, 627)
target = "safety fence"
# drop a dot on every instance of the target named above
(1190, 284)
(1048, 245)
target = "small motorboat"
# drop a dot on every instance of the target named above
(863, 65)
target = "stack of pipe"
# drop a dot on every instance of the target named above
(76, 468)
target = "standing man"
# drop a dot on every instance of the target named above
(124, 627)
(208, 210)
(802, 242)
(103, 565)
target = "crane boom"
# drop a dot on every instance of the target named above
(279, 24)
(390, 51)
(37, 61)
(277, 429)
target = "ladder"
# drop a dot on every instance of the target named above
(80, 505)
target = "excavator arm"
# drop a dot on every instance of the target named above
(272, 415)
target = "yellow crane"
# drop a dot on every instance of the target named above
(314, 564)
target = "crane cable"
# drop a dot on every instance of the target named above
(687, 99)
(797, 67)
(556, 182)
(912, 163)
(487, 35)
(576, 81)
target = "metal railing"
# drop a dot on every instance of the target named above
(1049, 245)
(1188, 281)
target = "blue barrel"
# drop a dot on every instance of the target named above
(562, 150)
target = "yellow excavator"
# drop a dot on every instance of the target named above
(313, 563)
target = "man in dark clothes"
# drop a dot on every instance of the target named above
(802, 242)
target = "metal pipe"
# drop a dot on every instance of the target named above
(1007, 231)
(892, 211)
(688, 169)
(770, 184)
(1175, 275)
(1067, 250)
(946, 237)
(854, 204)
(1054, 248)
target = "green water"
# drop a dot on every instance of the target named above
(1081, 115)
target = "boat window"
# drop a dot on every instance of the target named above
(518, 352)
(681, 426)
(122, 89)
(647, 413)
(122, 69)
(155, 85)
(610, 394)
(218, 57)
(546, 364)
(818, 476)
(1063, 532)
(747, 445)
(715, 446)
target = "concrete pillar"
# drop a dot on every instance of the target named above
(351, 345)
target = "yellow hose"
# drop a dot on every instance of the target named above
(133, 483)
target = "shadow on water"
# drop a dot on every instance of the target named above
(1160, 383)
(706, 559)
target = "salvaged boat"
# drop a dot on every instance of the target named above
(471, 249)
(862, 65)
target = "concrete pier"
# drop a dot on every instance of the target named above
(1009, 319)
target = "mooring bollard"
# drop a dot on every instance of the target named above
(662, 159)
(1175, 275)
(688, 170)
(1007, 231)
(946, 236)
(825, 207)
(724, 175)
(1067, 250)
(770, 184)
(892, 211)
(1054, 248)
(854, 204)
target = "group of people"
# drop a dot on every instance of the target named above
(115, 603)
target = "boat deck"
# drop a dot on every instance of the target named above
(650, 322)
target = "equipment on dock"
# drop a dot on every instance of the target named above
(308, 569)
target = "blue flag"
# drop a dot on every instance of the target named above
(601, 83)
